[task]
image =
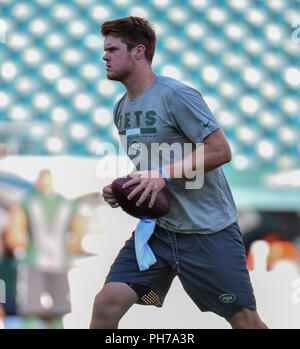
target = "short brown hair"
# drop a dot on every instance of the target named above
(133, 31)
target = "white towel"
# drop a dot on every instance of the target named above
(144, 255)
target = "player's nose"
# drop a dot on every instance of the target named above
(105, 56)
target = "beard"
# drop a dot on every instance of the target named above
(117, 75)
(113, 76)
(121, 74)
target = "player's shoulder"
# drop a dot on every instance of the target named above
(171, 85)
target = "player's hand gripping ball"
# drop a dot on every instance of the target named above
(160, 207)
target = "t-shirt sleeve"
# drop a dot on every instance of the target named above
(191, 114)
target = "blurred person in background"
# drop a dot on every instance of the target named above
(280, 229)
(8, 271)
(8, 274)
(282, 225)
(45, 229)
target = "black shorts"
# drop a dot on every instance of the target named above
(211, 268)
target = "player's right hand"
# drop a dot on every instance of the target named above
(108, 196)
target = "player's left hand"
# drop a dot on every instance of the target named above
(149, 181)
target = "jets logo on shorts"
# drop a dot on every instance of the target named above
(227, 298)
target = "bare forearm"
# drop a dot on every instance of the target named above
(195, 163)
(204, 158)
(16, 229)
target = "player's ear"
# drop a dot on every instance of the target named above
(139, 51)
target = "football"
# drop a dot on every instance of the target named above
(160, 207)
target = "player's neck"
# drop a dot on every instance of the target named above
(138, 82)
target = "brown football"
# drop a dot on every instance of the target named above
(160, 207)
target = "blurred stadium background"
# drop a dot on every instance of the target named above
(56, 112)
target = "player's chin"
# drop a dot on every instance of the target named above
(111, 76)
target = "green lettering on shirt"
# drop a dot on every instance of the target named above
(149, 118)
(127, 120)
(137, 114)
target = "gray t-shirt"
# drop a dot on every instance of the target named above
(170, 112)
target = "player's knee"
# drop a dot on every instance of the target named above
(111, 303)
(246, 324)
(105, 305)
